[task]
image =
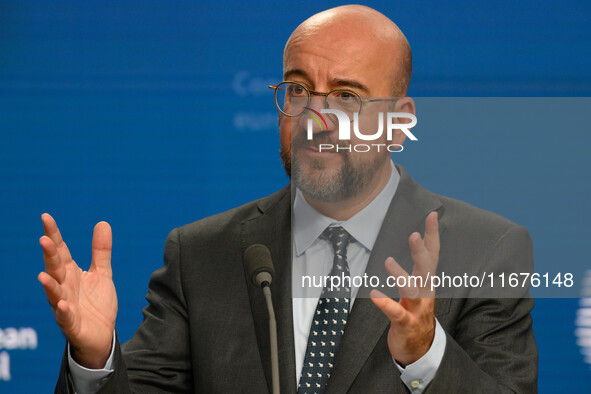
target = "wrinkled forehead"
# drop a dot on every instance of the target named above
(339, 53)
(334, 48)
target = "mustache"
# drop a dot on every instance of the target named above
(300, 140)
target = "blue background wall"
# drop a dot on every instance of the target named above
(152, 114)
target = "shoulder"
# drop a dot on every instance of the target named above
(474, 240)
(225, 224)
(458, 214)
(464, 227)
(480, 232)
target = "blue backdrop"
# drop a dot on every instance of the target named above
(153, 114)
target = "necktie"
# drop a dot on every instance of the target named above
(330, 318)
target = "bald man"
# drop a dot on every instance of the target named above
(205, 327)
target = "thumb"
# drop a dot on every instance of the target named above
(102, 244)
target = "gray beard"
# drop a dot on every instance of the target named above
(349, 181)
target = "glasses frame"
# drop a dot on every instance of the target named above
(311, 93)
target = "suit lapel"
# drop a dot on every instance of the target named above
(366, 324)
(273, 229)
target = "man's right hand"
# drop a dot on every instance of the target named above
(84, 302)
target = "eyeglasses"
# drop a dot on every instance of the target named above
(293, 98)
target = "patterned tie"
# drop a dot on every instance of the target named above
(330, 318)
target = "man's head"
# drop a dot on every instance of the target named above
(350, 47)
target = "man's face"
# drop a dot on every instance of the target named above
(335, 59)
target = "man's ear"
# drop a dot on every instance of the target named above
(405, 104)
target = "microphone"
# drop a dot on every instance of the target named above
(259, 265)
(260, 270)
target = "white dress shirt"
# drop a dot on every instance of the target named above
(312, 256)
(307, 250)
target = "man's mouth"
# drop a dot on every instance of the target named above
(320, 149)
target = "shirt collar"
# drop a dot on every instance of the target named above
(364, 226)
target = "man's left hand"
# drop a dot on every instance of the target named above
(412, 319)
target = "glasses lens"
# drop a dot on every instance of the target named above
(344, 100)
(291, 98)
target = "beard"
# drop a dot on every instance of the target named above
(325, 183)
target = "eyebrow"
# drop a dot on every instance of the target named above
(349, 83)
(295, 71)
(334, 82)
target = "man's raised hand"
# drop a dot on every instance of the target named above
(84, 302)
(412, 320)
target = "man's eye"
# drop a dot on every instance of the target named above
(345, 96)
(297, 90)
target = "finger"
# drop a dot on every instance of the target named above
(425, 267)
(392, 309)
(53, 232)
(394, 268)
(52, 289)
(424, 261)
(405, 285)
(64, 316)
(102, 244)
(432, 233)
(53, 264)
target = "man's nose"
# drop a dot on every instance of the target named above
(313, 118)
(317, 102)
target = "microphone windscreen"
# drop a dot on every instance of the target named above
(258, 259)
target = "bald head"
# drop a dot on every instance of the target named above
(359, 32)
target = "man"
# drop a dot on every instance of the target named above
(205, 327)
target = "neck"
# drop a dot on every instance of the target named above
(346, 209)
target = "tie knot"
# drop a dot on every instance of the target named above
(339, 238)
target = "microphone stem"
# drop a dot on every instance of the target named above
(273, 339)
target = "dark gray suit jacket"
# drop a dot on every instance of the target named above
(205, 328)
